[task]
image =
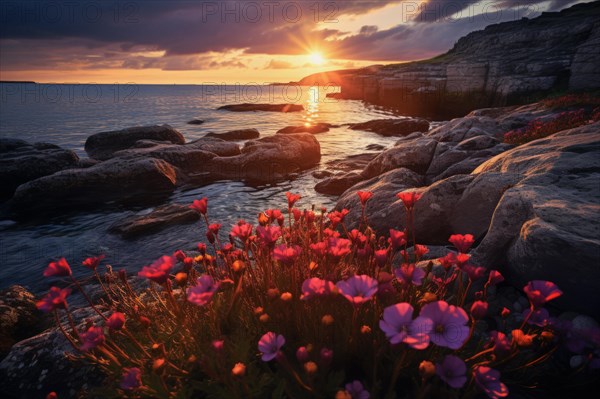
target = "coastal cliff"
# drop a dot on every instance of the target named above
(508, 63)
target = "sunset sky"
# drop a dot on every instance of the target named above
(232, 41)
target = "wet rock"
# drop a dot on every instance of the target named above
(195, 122)
(103, 145)
(159, 219)
(21, 162)
(313, 129)
(375, 147)
(321, 174)
(393, 127)
(235, 135)
(415, 155)
(246, 107)
(351, 163)
(339, 183)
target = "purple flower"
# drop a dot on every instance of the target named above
(358, 289)
(314, 287)
(488, 380)
(398, 326)
(381, 257)
(132, 378)
(269, 345)
(501, 344)
(287, 255)
(55, 299)
(92, 338)
(202, 293)
(357, 391)
(539, 317)
(453, 371)
(539, 292)
(449, 324)
(409, 273)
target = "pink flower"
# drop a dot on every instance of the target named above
(337, 217)
(326, 356)
(116, 321)
(60, 268)
(159, 270)
(462, 242)
(409, 273)
(474, 272)
(381, 257)
(488, 380)
(358, 289)
(302, 354)
(540, 317)
(409, 199)
(287, 255)
(319, 248)
(449, 324)
(357, 391)
(267, 235)
(242, 230)
(55, 299)
(269, 345)
(479, 309)
(218, 344)
(315, 287)
(420, 250)
(92, 263)
(501, 343)
(539, 292)
(453, 371)
(448, 261)
(214, 228)
(364, 196)
(92, 338)
(495, 277)
(339, 247)
(399, 326)
(397, 239)
(200, 206)
(203, 291)
(292, 199)
(132, 378)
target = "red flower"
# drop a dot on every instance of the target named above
(339, 247)
(92, 263)
(539, 292)
(242, 230)
(59, 268)
(479, 309)
(474, 272)
(495, 277)
(381, 256)
(337, 217)
(292, 199)
(364, 196)
(116, 321)
(462, 242)
(200, 206)
(448, 261)
(287, 255)
(297, 214)
(420, 250)
(92, 338)
(409, 199)
(179, 255)
(268, 235)
(214, 228)
(55, 299)
(159, 270)
(52, 395)
(397, 239)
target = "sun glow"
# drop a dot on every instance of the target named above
(316, 59)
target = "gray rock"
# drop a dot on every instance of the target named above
(415, 155)
(103, 145)
(159, 219)
(393, 127)
(235, 135)
(312, 128)
(339, 183)
(195, 122)
(246, 107)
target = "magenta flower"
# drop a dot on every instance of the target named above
(287, 255)
(453, 371)
(488, 380)
(539, 292)
(501, 343)
(479, 309)
(358, 289)
(449, 324)
(269, 345)
(159, 270)
(92, 338)
(315, 287)
(495, 277)
(357, 390)
(399, 326)
(397, 239)
(200, 206)
(474, 272)
(132, 379)
(381, 256)
(116, 321)
(462, 242)
(338, 247)
(540, 317)
(267, 235)
(409, 273)
(292, 198)
(92, 263)
(55, 299)
(203, 291)
(60, 268)
(242, 230)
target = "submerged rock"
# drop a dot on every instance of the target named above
(159, 219)
(246, 107)
(393, 127)
(195, 122)
(103, 145)
(235, 135)
(312, 128)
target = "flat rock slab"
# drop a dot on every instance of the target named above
(235, 135)
(313, 129)
(159, 219)
(247, 107)
(393, 127)
(103, 145)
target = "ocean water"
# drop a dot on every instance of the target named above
(67, 114)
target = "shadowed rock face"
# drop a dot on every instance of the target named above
(103, 145)
(314, 129)
(246, 107)
(160, 218)
(393, 127)
(234, 135)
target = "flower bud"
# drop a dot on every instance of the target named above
(505, 313)
(428, 297)
(264, 318)
(326, 356)
(286, 296)
(145, 322)
(239, 370)
(310, 367)
(181, 279)
(547, 336)
(238, 266)
(123, 275)
(158, 365)
(327, 320)
(217, 345)
(479, 309)
(426, 369)
(258, 311)
(365, 330)
(302, 354)
(273, 293)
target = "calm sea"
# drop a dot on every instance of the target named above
(67, 114)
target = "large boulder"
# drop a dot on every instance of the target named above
(309, 128)
(247, 107)
(269, 159)
(415, 155)
(393, 127)
(235, 135)
(159, 219)
(21, 162)
(114, 179)
(103, 145)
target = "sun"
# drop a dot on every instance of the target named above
(316, 59)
